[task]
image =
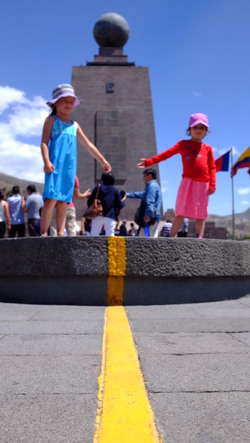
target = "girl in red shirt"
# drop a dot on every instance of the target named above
(198, 177)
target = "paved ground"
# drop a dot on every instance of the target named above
(195, 359)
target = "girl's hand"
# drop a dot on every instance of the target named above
(48, 168)
(141, 164)
(106, 166)
(211, 191)
(87, 193)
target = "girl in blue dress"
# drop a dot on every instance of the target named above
(59, 151)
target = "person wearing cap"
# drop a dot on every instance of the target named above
(199, 174)
(150, 207)
(59, 151)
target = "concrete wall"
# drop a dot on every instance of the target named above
(157, 271)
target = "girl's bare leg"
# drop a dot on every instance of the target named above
(60, 217)
(177, 223)
(200, 227)
(46, 216)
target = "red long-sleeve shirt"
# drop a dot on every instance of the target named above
(197, 159)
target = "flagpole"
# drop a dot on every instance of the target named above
(232, 178)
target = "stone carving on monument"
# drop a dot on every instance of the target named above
(116, 113)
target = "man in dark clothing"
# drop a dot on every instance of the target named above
(123, 229)
(112, 203)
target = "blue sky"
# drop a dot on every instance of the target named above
(198, 58)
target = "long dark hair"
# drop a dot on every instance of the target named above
(53, 112)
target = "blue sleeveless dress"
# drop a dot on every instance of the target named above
(59, 185)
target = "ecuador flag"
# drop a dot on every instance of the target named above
(242, 162)
(222, 163)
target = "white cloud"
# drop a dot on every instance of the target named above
(164, 189)
(245, 203)
(244, 191)
(235, 152)
(9, 96)
(21, 122)
(197, 94)
(222, 151)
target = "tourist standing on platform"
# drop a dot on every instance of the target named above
(33, 206)
(123, 229)
(112, 203)
(150, 207)
(198, 178)
(16, 204)
(165, 230)
(4, 215)
(59, 151)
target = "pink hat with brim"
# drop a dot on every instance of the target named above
(64, 90)
(198, 119)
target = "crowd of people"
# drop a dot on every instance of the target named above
(60, 137)
(14, 208)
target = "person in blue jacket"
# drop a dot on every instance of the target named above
(150, 208)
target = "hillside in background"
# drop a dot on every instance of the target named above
(242, 220)
(7, 182)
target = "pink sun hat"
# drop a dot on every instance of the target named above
(64, 90)
(198, 119)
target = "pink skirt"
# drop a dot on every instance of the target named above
(192, 199)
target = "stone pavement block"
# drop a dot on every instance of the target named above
(244, 337)
(189, 343)
(246, 300)
(196, 373)
(11, 313)
(47, 418)
(229, 308)
(51, 375)
(202, 418)
(64, 314)
(189, 325)
(84, 326)
(50, 344)
(50, 362)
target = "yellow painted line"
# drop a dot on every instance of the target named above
(117, 256)
(124, 413)
(117, 270)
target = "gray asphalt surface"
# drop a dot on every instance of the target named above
(195, 359)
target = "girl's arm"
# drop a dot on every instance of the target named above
(92, 149)
(78, 195)
(7, 215)
(47, 128)
(146, 162)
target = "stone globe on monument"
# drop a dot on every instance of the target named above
(116, 113)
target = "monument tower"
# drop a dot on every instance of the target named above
(116, 114)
